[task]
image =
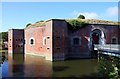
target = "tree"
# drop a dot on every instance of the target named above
(28, 24)
(81, 17)
(4, 36)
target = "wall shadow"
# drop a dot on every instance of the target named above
(18, 65)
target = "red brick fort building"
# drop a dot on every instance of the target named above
(54, 40)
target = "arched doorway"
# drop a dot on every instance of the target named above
(96, 37)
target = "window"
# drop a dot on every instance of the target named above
(57, 37)
(44, 41)
(31, 41)
(114, 41)
(48, 37)
(58, 48)
(48, 48)
(76, 41)
(25, 41)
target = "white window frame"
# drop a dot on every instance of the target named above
(44, 39)
(47, 38)
(33, 41)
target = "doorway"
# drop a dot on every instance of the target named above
(97, 37)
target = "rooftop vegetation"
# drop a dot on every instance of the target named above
(37, 24)
(28, 24)
(75, 24)
(81, 17)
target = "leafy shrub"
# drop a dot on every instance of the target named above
(81, 17)
(28, 24)
(109, 67)
(76, 24)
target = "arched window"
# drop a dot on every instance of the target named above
(44, 41)
(76, 41)
(32, 41)
(114, 41)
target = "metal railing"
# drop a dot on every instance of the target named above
(114, 47)
(108, 49)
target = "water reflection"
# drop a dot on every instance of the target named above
(17, 66)
(20, 65)
(36, 66)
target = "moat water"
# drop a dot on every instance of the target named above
(19, 65)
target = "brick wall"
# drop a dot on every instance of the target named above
(81, 50)
(60, 37)
(39, 34)
(16, 40)
(10, 44)
(54, 41)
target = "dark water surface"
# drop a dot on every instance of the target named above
(75, 68)
(19, 65)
